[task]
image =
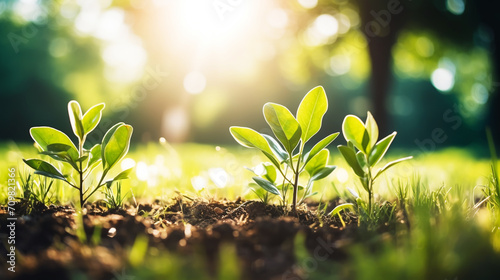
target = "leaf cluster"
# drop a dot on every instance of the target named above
(58, 146)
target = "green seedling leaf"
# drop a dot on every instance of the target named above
(271, 173)
(44, 168)
(121, 176)
(310, 195)
(320, 146)
(355, 132)
(311, 110)
(265, 170)
(45, 136)
(389, 165)
(372, 130)
(75, 118)
(92, 118)
(360, 157)
(381, 148)
(341, 207)
(318, 162)
(124, 174)
(117, 146)
(323, 173)
(58, 152)
(82, 159)
(94, 155)
(250, 138)
(260, 192)
(350, 145)
(106, 139)
(57, 148)
(265, 184)
(276, 148)
(350, 157)
(272, 159)
(284, 125)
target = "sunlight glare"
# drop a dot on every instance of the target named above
(277, 18)
(29, 10)
(111, 25)
(125, 61)
(175, 124)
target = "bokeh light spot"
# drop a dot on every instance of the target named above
(308, 4)
(127, 163)
(443, 79)
(195, 82)
(199, 183)
(141, 171)
(424, 47)
(479, 93)
(277, 18)
(326, 25)
(456, 7)
(342, 175)
(340, 64)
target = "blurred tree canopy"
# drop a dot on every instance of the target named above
(188, 70)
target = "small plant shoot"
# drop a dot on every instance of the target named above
(58, 146)
(286, 152)
(363, 152)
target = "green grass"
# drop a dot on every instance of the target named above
(162, 170)
(449, 235)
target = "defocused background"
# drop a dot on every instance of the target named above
(187, 70)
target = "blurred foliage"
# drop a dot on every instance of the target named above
(136, 56)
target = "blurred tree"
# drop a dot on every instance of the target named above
(45, 62)
(490, 15)
(382, 21)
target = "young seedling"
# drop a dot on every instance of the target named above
(292, 134)
(57, 145)
(114, 199)
(36, 192)
(363, 151)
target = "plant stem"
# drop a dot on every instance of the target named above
(370, 198)
(296, 181)
(80, 172)
(370, 187)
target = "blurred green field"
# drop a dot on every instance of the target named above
(207, 171)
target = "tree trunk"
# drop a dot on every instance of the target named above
(380, 27)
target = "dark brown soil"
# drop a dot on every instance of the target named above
(49, 247)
